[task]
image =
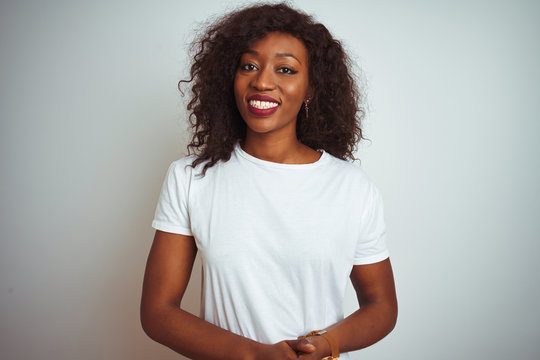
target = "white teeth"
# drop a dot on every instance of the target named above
(262, 104)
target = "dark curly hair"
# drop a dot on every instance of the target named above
(335, 112)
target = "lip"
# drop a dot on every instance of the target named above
(262, 112)
(262, 98)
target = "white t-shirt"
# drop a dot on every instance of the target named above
(278, 241)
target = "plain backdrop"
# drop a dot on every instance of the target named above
(91, 118)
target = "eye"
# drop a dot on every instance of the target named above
(248, 67)
(287, 70)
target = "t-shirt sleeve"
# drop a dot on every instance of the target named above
(172, 209)
(371, 246)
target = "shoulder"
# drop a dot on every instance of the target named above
(184, 168)
(181, 171)
(348, 170)
(183, 163)
(353, 180)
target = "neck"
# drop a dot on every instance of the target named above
(285, 150)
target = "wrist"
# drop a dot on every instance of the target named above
(332, 347)
(322, 345)
(254, 351)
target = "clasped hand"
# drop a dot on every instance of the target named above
(311, 348)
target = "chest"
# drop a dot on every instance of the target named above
(272, 219)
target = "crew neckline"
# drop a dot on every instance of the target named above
(322, 159)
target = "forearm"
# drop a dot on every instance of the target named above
(375, 290)
(193, 337)
(364, 327)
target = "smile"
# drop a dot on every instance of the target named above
(262, 105)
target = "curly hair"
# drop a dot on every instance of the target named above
(335, 112)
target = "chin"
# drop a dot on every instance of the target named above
(260, 129)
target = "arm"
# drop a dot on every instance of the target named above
(375, 290)
(168, 270)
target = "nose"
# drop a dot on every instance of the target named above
(263, 80)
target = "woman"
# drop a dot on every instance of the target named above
(281, 219)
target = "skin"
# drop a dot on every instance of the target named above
(277, 66)
(273, 138)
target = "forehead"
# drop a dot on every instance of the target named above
(279, 43)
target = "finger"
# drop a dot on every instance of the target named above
(302, 345)
(287, 351)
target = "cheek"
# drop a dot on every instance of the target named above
(295, 91)
(238, 93)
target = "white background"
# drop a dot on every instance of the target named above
(91, 118)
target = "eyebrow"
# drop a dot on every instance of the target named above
(277, 55)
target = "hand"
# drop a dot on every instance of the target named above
(284, 350)
(310, 348)
(302, 346)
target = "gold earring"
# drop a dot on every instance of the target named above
(306, 108)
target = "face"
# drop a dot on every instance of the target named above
(272, 83)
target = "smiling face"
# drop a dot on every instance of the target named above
(272, 83)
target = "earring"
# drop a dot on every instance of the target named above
(306, 108)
